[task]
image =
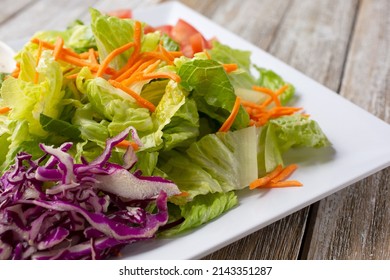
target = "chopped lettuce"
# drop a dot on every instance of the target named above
(269, 79)
(109, 34)
(203, 209)
(216, 163)
(212, 91)
(242, 77)
(283, 133)
(28, 100)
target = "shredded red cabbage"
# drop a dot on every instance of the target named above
(53, 208)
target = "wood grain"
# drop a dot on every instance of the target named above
(354, 223)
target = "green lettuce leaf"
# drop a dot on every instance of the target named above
(114, 106)
(175, 120)
(216, 163)
(60, 127)
(203, 209)
(109, 34)
(28, 100)
(271, 80)
(241, 78)
(298, 131)
(79, 37)
(283, 133)
(212, 91)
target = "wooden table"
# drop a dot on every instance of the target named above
(344, 45)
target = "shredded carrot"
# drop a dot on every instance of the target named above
(207, 54)
(92, 56)
(72, 76)
(162, 75)
(166, 54)
(78, 62)
(269, 92)
(230, 67)
(176, 53)
(275, 178)
(137, 48)
(40, 48)
(260, 182)
(16, 71)
(58, 47)
(183, 194)
(285, 173)
(141, 101)
(4, 110)
(230, 120)
(126, 144)
(127, 74)
(291, 183)
(111, 56)
(136, 74)
(49, 46)
(281, 90)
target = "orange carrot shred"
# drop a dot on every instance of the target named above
(127, 74)
(260, 182)
(92, 56)
(58, 47)
(111, 56)
(126, 144)
(183, 194)
(49, 46)
(285, 173)
(230, 67)
(141, 101)
(230, 120)
(162, 75)
(136, 74)
(269, 92)
(275, 178)
(4, 110)
(137, 48)
(78, 62)
(281, 184)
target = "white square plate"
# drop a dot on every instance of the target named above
(361, 146)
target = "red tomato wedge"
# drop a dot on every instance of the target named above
(190, 39)
(122, 13)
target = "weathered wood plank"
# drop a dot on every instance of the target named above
(46, 14)
(313, 37)
(255, 21)
(11, 7)
(354, 223)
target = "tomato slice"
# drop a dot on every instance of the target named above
(183, 31)
(121, 13)
(190, 39)
(198, 43)
(167, 29)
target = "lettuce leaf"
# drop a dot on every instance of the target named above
(29, 100)
(286, 132)
(109, 34)
(203, 209)
(175, 120)
(271, 80)
(212, 91)
(216, 163)
(241, 78)
(298, 131)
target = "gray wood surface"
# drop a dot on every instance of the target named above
(341, 44)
